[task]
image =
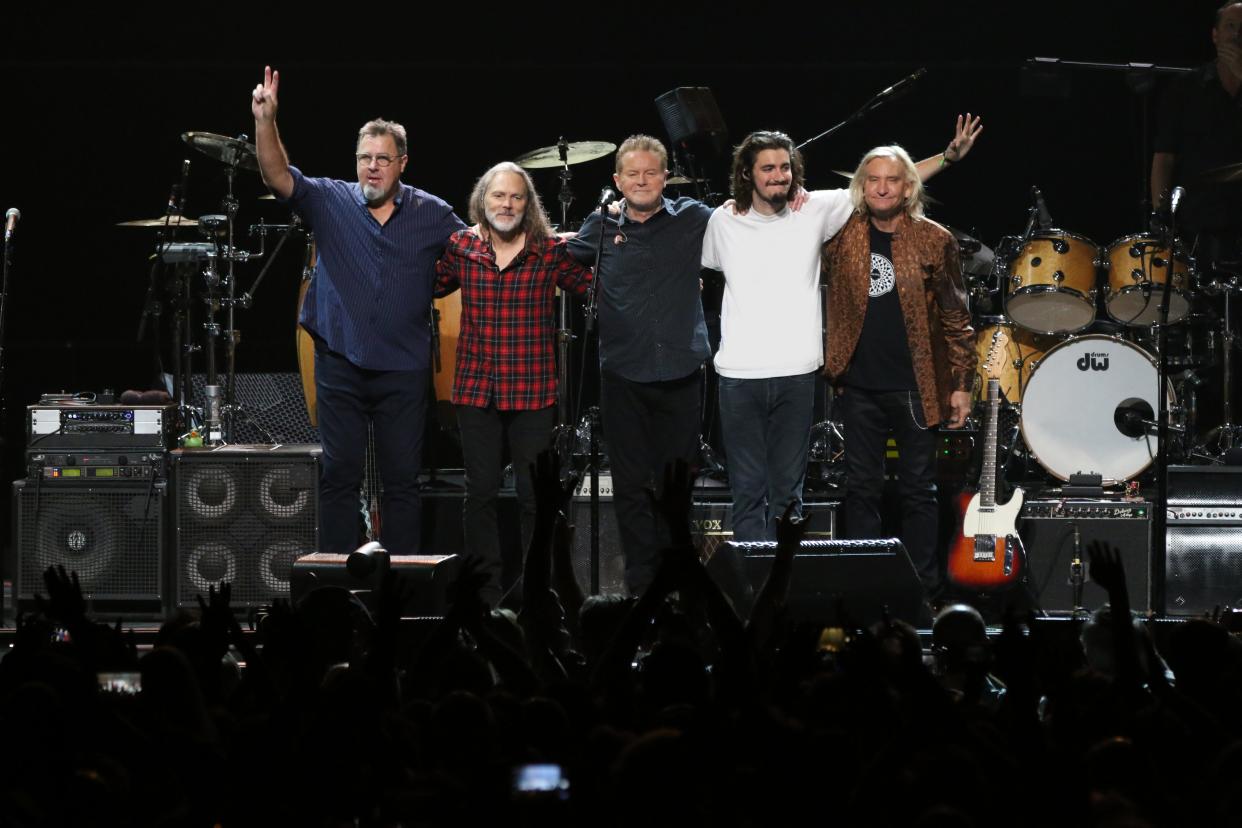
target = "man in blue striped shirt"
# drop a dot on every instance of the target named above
(368, 311)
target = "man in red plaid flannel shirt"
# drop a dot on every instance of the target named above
(507, 265)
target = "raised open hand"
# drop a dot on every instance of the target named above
(65, 604)
(1106, 568)
(968, 129)
(263, 99)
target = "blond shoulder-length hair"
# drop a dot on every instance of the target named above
(915, 203)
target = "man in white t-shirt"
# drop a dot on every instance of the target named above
(771, 335)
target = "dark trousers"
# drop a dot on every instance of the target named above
(395, 402)
(648, 425)
(767, 434)
(484, 433)
(869, 417)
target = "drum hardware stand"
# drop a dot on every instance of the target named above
(1228, 434)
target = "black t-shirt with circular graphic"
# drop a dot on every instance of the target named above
(881, 361)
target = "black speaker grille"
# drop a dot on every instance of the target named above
(1205, 486)
(244, 517)
(611, 556)
(1203, 569)
(110, 535)
(273, 408)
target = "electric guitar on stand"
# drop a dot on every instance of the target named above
(988, 553)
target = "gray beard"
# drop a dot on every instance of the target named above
(372, 193)
(504, 225)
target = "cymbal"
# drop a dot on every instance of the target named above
(578, 153)
(171, 221)
(231, 151)
(681, 179)
(1223, 174)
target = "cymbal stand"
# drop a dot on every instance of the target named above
(1228, 434)
(212, 422)
(565, 426)
(231, 333)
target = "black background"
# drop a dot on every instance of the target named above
(94, 103)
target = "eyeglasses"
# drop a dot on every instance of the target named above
(365, 159)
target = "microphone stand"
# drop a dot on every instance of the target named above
(593, 464)
(1159, 540)
(4, 304)
(878, 100)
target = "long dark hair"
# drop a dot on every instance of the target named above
(743, 185)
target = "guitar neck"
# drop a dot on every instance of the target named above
(987, 478)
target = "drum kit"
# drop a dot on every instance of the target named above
(1079, 379)
(202, 274)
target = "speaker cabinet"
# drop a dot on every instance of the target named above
(1047, 531)
(611, 555)
(834, 581)
(1203, 568)
(1203, 552)
(111, 534)
(244, 514)
(711, 523)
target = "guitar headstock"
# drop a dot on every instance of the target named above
(993, 364)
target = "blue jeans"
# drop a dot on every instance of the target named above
(396, 403)
(766, 425)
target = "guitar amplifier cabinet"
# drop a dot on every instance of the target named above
(112, 535)
(1203, 551)
(244, 514)
(1047, 531)
(711, 522)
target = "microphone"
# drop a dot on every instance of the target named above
(606, 197)
(1045, 218)
(184, 186)
(175, 195)
(902, 84)
(1175, 198)
(10, 222)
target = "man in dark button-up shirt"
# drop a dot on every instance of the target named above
(368, 310)
(652, 338)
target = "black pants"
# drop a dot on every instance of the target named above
(869, 417)
(484, 432)
(396, 404)
(648, 425)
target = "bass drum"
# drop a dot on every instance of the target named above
(1073, 411)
